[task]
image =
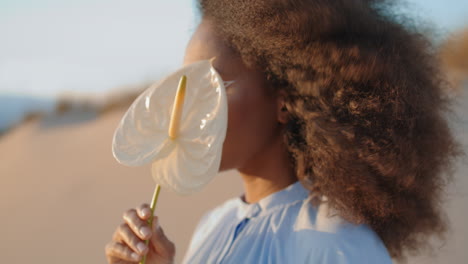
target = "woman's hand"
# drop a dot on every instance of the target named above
(128, 242)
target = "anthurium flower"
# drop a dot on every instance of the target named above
(187, 162)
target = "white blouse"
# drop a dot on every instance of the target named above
(282, 228)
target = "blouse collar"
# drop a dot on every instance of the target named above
(292, 193)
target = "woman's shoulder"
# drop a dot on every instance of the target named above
(209, 219)
(320, 233)
(208, 223)
(225, 209)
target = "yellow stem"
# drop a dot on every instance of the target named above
(150, 220)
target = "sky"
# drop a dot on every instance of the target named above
(51, 47)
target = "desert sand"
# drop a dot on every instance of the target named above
(62, 194)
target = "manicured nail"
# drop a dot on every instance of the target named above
(145, 231)
(135, 256)
(146, 212)
(141, 247)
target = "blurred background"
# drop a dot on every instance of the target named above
(68, 72)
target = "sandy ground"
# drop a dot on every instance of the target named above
(62, 195)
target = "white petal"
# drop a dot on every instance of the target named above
(190, 161)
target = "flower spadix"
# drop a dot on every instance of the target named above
(180, 133)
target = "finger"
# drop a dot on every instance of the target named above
(144, 211)
(139, 227)
(116, 251)
(116, 236)
(160, 242)
(134, 242)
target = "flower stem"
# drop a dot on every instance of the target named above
(150, 220)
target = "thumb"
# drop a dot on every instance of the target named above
(160, 242)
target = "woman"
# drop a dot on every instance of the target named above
(336, 126)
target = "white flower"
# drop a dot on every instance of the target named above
(188, 162)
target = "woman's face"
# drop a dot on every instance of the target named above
(252, 111)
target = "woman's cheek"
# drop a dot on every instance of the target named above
(228, 153)
(235, 118)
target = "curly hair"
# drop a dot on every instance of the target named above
(368, 112)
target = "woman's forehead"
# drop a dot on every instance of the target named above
(205, 44)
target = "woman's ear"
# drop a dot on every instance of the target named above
(281, 109)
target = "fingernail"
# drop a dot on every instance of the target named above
(145, 231)
(146, 212)
(141, 247)
(135, 256)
